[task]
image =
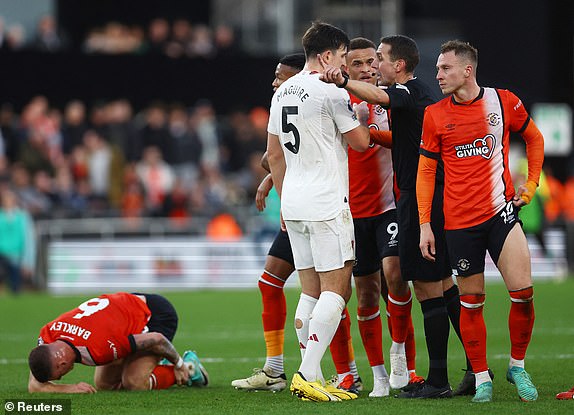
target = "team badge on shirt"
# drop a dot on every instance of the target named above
(493, 119)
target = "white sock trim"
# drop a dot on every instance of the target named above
(392, 300)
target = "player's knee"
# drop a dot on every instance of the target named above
(368, 299)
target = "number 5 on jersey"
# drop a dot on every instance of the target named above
(288, 127)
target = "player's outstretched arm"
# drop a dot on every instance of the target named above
(34, 386)
(362, 90)
(159, 345)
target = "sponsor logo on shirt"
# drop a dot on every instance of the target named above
(482, 147)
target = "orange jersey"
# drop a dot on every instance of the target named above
(371, 172)
(101, 328)
(473, 141)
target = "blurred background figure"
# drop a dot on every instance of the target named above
(532, 215)
(47, 38)
(157, 178)
(17, 244)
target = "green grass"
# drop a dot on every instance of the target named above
(224, 327)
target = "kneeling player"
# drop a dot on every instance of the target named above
(125, 336)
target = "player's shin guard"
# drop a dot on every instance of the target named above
(274, 315)
(322, 326)
(473, 330)
(340, 344)
(400, 310)
(303, 312)
(521, 321)
(162, 377)
(371, 330)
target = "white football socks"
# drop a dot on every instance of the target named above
(322, 327)
(303, 312)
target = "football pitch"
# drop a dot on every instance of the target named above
(224, 328)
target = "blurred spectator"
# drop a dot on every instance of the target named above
(47, 38)
(225, 42)
(157, 36)
(120, 130)
(71, 203)
(8, 129)
(241, 141)
(79, 167)
(187, 146)
(176, 204)
(155, 132)
(157, 178)
(114, 38)
(44, 184)
(15, 38)
(40, 128)
(74, 125)
(98, 118)
(202, 42)
(133, 203)
(180, 41)
(99, 162)
(203, 123)
(17, 245)
(33, 201)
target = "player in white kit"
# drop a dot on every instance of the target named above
(310, 125)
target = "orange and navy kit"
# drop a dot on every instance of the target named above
(101, 329)
(478, 183)
(371, 172)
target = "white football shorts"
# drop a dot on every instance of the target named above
(324, 245)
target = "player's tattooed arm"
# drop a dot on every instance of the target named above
(158, 344)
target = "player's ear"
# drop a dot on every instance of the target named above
(327, 56)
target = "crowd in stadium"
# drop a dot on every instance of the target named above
(166, 160)
(161, 37)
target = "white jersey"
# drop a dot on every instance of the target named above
(309, 116)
